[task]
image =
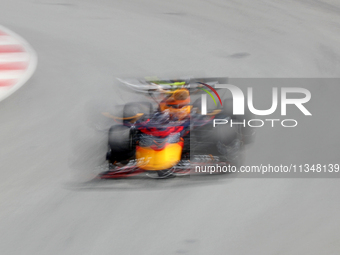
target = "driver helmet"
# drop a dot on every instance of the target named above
(178, 104)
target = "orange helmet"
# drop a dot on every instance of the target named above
(178, 104)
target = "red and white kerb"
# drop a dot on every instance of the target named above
(17, 62)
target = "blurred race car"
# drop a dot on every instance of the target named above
(175, 137)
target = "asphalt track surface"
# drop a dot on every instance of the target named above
(49, 142)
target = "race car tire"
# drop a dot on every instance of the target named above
(120, 144)
(248, 133)
(224, 133)
(131, 109)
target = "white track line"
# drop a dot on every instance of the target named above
(7, 40)
(5, 75)
(14, 57)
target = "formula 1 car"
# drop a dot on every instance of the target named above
(174, 138)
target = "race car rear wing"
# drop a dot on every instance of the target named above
(155, 84)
